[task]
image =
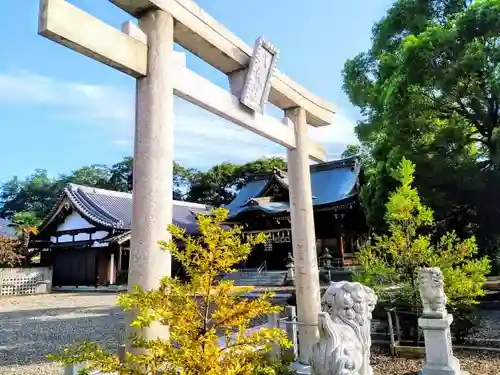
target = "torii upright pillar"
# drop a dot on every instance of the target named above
(303, 235)
(153, 161)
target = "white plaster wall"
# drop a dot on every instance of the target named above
(74, 222)
(98, 235)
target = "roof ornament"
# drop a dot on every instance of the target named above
(279, 173)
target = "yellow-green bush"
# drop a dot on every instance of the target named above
(197, 313)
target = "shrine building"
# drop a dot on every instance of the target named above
(86, 235)
(262, 205)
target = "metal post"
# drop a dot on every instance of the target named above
(121, 353)
(291, 330)
(391, 332)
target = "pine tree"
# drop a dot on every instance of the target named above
(197, 312)
(393, 259)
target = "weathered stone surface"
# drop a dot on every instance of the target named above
(304, 237)
(24, 281)
(153, 152)
(431, 286)
(435, 322)
(438, 347)
(257, 86)
(345, 327)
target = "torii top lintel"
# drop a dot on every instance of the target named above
(202, 35)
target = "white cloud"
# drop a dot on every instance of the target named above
(75, 99)
(121, 142)
(341, 131)
(201, 139)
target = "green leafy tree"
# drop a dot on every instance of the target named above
(260, 165)
(121, 174)
(36, 193)
(394, 258)
(197, 313)
(96, 175)
(182, 180)
(428, 89)
(15, 250)
(214, 186)
(122, 177)
(351, 150)
(219, 184)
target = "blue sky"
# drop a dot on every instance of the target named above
(60, 110)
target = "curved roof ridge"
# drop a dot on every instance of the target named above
(91, 189)
(192, 204)
(88, 208)
(113, 210)
(49, 216)
(282, 181)
(332, 183)
(350, 161)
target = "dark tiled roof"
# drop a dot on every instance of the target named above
(113, 209)
(5, 229)
(331, 183)
(119, 238)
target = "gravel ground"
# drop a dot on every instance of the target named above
(33, 326)
(484, 363)
(488, 334)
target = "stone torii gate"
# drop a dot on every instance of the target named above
(145, 52)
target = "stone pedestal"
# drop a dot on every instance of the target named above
(439, 359)
(290, 274)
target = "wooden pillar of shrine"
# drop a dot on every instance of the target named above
(341, 248)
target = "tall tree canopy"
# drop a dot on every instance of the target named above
(428, 89)
(35, 194)
(38, 192)
(219, 184)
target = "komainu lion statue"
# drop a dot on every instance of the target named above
(431, 285)
(344, 329)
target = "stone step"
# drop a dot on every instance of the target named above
(245, 278)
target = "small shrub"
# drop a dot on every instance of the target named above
(9, 255)
(279, 367)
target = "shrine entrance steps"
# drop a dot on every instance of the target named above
(256, 278)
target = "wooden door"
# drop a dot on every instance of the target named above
(74, 267)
